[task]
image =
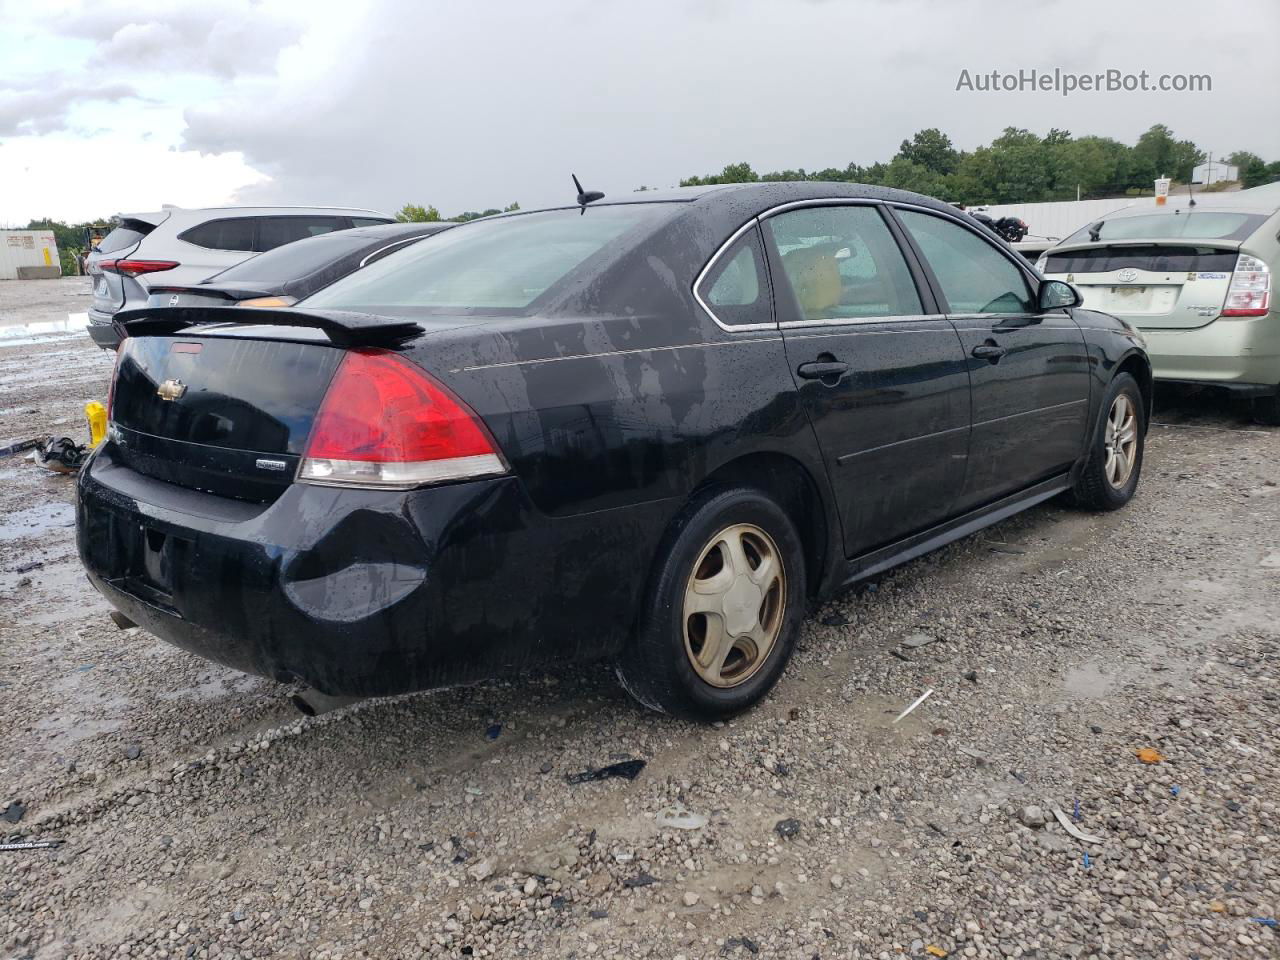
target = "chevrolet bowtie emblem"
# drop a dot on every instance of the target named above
(171, 390)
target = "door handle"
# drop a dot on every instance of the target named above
(989, 351)
(822, 370)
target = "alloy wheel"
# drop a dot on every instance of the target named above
(1120, 441)
(733, 605)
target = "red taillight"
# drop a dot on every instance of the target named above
(1249, 294)
(134, 268)
(385, 423)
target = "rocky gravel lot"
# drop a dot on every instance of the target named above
(202, 816)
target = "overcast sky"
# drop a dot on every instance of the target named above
(111, 106)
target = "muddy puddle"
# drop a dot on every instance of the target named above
(36, 521)
(72, 327)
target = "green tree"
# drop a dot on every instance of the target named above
(1253, 169)
(732, 173)
(1158, 154)
(930, 149)
(412, 213)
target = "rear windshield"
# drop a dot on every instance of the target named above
(297, 259)
(491, 266)
(126, 235)
(1210, 225)
(1166, 258)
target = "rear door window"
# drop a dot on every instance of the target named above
(843, 263)
(277, 231)
(232, 233)
(974, 276)
(734, 290)
(368, 222)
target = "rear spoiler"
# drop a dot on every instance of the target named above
(343, 328)
(1151, 242)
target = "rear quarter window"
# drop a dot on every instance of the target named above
(232, 233)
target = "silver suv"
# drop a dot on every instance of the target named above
(180, 246)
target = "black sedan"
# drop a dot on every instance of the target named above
(283, 276)
(653, 431)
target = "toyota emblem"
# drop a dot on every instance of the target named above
(1127, 275)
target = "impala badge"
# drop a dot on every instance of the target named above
(264, 464)
(171, 390)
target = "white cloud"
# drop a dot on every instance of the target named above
(44, 109)
(74, 180)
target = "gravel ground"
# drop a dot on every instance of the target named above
(204, 817)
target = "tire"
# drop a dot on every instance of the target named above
(677, 662)
(1103, 484)
(1266, 410)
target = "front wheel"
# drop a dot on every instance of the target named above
(724, 608)
(1110, 476)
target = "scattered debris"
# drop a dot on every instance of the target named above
(935, 951)
(133, 751)
(1072, 829)
(1032, 816)
(626, 769)
(1020, 777)
(1265, 921)
(918, 640)
(546, 767)
(895, 652)
(14, 812)
(1086, 861)
(982, 758)
(690, 898)
(788, 828)
(32, 845)
(1149, 755)
(836, 620)
(1075, 810)
(681, 819)
(1094, 728)
(1175, 790)
(919, 700)
(494, 731)
(972, 676)
(481, 871)
(28, 566)
(19, 446)
(1217, 906)
(62, 455)
(745, 942)
(597, 914)
(640, 880)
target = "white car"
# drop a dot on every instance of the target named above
(183, 247)
(1197, 281)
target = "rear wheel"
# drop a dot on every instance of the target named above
(724, 608)
(1110, 477)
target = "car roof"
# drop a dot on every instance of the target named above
(762, 196)
(155, 216)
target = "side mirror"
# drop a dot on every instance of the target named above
(1055, 294)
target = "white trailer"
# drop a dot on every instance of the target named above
(28, 255)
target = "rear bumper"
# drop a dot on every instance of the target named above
(364, 593)
(102, 331)
(1243, 352)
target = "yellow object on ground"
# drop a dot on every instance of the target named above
(97, 415)
(1149, 755)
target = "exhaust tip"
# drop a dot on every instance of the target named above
(312, 703)
(121, 621)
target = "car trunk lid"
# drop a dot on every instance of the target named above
(1150, 284)
(227, 407)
